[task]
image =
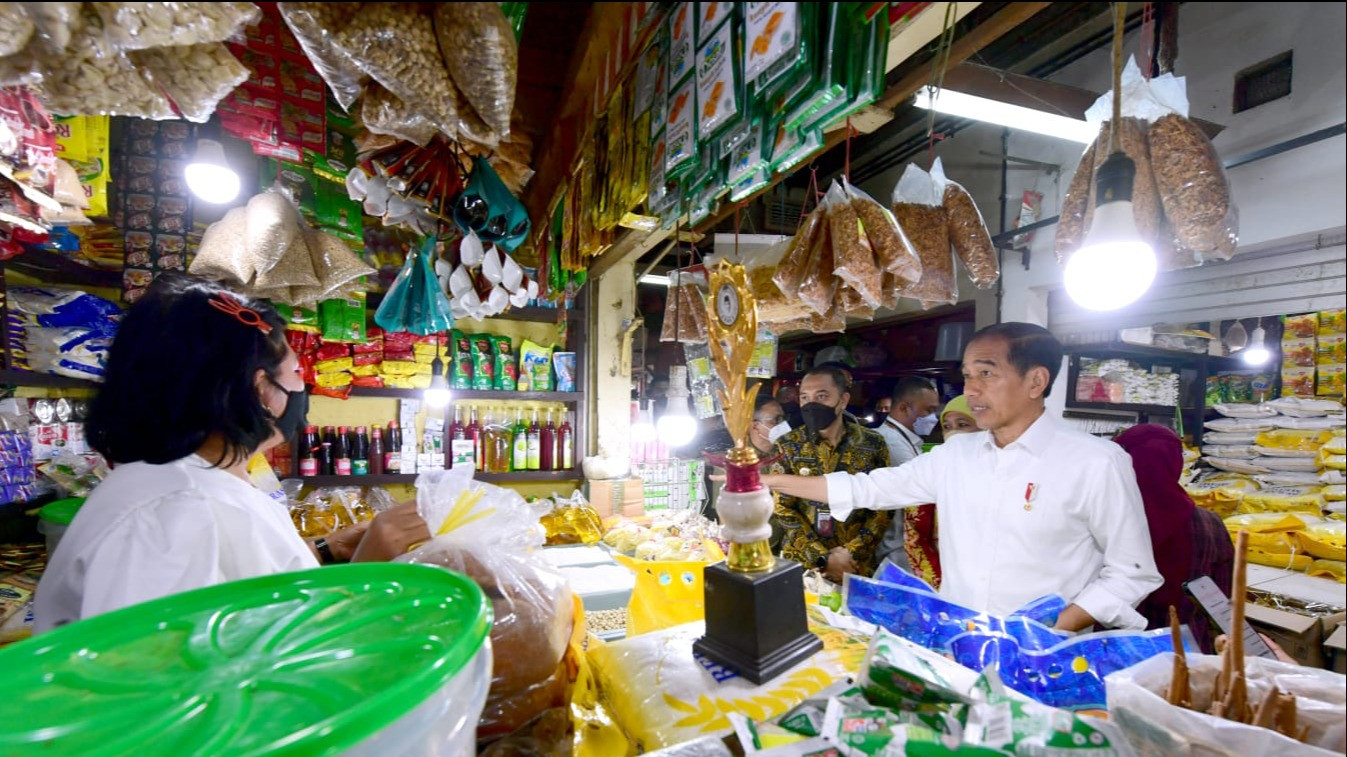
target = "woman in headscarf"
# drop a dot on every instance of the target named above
(920, 534)
(1188, 541)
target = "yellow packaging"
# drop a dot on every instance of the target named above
(1220, 496)
(72, 137)
(1326, 541)
(1297, 382)
(1334, 569)
(428, 351)
(1332, 380)
(1331, 349)
(1332, 322)
(1334, 462)
(1286, 438)
(334, 365)
(1283, 561)
(1335, 492)
(333, 380)
(1283, 499)
(398, 382)
(365, 370)
(398, 368)
(1266, 523)
(1335, 445)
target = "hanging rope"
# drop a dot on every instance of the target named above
(1146, 42)
(1119, 19)
(811, 193)
(847, 169)
(736, 232)
(939, 65)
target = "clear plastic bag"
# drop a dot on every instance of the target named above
(761, 266)
(853, 256)
(395, 44)
(195, 77)
(482, 56)
(221, 256)
(968, 232)
(790, 274)
(272, 227)
(893, 252)
(1071, 221)
(91, 77)
(383, 113)
(315, 25)
(685, 318)
(919, 206)
(1193, 188)
(137, 26)
(53, 23)
(818, 288)
(416, 303)
(15, 28)
(1146, 210)
(493, 536)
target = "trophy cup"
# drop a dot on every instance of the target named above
(755, 614)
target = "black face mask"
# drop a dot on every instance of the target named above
(818, 416)
(295, 415)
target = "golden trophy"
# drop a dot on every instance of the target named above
(755, 615)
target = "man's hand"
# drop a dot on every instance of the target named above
(391, 533)
(343, 543)
(840, 563)
(1073, 619)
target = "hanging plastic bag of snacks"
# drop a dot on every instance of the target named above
(195, 77)
(790, 274)
(919, 206)
(893, 252)
(314, 26)
(383, 113)
(138, 26)
(773, 305)
(685, 309)
(818, 288)
(15, 28)
(1071, 221)
(968, 232)
(1193, 188)
(853, 256)
(482, 56)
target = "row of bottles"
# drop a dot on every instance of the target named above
(350, 451)
(494, 443)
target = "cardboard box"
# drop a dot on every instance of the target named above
(618, 496)
(1302, 636)
(1335, 649)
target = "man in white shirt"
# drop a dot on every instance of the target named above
(1027, 506)
(912, 415)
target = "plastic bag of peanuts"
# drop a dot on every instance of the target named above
(316, 25)
(138, 26)
(195, 77)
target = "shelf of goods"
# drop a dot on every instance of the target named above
(1192, 369)
(464, 395)
(44, 380)
(408, 479)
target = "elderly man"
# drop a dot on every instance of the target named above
(1028, 506)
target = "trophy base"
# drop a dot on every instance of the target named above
(755, 622)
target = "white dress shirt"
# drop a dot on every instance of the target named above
(1081, 535)
(904, 444)
(153, 530)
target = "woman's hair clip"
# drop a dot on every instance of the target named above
(228, 304)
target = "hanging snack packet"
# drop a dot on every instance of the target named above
(482, 56)
(461, 351)
(563, 365)
(680, 137)
(893, 253)
(717, 82)
(506, 367)
(968, 233)
(536, 363)
(818, 289)
(483, 364)
(682, 55)
(1193, 187)
(918, 204)
(854, 258)
(1071, 223)
(772, 32)
(790, 274)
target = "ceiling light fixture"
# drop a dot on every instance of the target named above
(990, 111)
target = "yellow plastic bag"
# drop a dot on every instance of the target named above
(1283, 499)
(596, 733)
(1267, 523)
(1221, 496)
(1337, 445)
(1283, 561)
(1334, 569)
(1326, 541)
(667, 592)
(1329, 460)
(1292, 439)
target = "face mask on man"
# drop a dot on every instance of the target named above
(926, 424)
(818, 416)
(778, 431)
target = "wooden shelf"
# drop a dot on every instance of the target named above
(1123, 407)
(525, 476)
(462, 395)
(1140, 352)
(392, 479)
(44, 380)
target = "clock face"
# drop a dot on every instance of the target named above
(727, 304)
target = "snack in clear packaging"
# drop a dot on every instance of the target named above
(481, 53)
(1071, 221)
(968, 234)
(794, 263)
(383, 113)
(893, 252)
(853, 256)
(1146, 207)
(314, 26)
(137, 26)
(15, 28)
(195, 77)
(818, 288)
(685, 309)
(919, 208)
(1193, 187)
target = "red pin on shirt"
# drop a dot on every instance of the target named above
(1029, 492)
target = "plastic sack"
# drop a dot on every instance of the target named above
(395, 44)
(315, 25)
(1046, 665)
(685, 318)
(794, 263)
(1325, 541)
(415, 303)
(1193, 188)
(221, 256)
(195, 77)
(761, 265)
(967, 231)
(15, 28)
(482, 56)
(818, 287)
(1220, 497)
(854, 260)
(62, 308)
(918, 204)
(137, 26)
(90, 75)
(893, 252)
(662, 695)
(1137, 704)
(383, 113)
(487, 208)
(1071, 221)
(492, 535)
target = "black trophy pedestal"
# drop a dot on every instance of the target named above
(755, 622)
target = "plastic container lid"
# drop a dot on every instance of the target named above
(308, 663)
(61, 511)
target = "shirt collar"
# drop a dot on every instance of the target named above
(904, 430)
(1034, 439)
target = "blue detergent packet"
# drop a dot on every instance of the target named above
(1049, 666)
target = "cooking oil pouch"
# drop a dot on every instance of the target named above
(1046, 665)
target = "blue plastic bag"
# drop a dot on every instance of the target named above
(415, 303)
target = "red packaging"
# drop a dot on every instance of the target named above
(405, 355)
(398, 341)
(339, 393)
(368, 358)
(368, 381)
(333, 350)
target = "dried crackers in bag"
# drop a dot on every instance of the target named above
(314, 26)
(919, 206)
(853, 257)
(482, 56)
(1071, 221)
(968, 232)
(1193, 188)
(818, 288)
(794, 264)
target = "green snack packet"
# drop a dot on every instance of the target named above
(900, 674)
(1005, 725)
(535, 367)
(1214, 394)
(507, 368)
(461, 347)
(1240, 388)
(483, 364)
(343, 319)
(300, 319)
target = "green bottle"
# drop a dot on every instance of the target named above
(521, 443)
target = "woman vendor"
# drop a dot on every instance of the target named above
(199, 380)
